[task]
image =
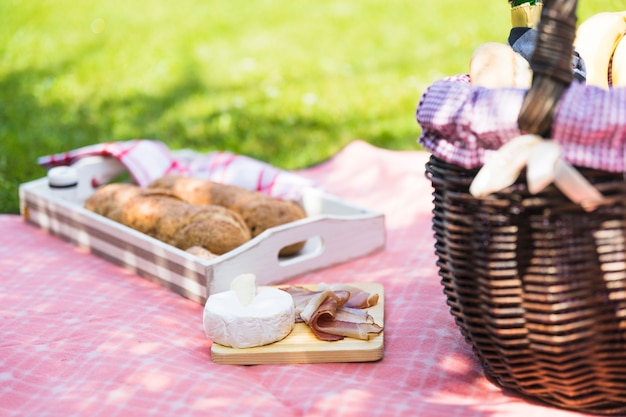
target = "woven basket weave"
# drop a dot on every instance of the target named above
(536, 284)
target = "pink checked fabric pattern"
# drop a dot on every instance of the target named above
(148, 160)
(463, 124)
(83, 337)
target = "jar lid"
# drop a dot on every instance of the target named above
(62, 177)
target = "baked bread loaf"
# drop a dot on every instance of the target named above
(259, 211)
(109, 200)
(164, 216)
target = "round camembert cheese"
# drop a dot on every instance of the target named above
(247, 315)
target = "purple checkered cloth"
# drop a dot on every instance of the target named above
(462, 124)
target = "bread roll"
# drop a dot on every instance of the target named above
(108, 201)
(259, 211)
(166, 217)
(497, 65)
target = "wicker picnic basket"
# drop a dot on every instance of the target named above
(536, 284)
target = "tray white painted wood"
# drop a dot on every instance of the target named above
(301, 346)
(335, 231)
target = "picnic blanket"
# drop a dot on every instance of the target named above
(81, 336)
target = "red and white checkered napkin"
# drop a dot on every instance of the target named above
(148, 160)
(464, 124)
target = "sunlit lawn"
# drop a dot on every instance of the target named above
(288, 82)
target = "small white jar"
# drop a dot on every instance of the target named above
(63, 182)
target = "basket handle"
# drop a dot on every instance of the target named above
(551, 63)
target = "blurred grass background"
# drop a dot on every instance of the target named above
(287, 82)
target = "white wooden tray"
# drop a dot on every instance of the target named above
(335, 232)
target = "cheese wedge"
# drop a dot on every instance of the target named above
(242, 317)
(244, 287)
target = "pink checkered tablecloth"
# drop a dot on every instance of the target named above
(81, 336)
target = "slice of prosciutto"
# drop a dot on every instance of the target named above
(358, 297)
(335, 312)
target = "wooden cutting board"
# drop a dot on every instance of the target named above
(301, 346)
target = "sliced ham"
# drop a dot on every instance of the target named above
(322, 309)
(335, 312)
(348, 329)
(303, 298)
(358, 297)
(354, 315)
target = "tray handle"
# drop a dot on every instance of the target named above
(330, 240)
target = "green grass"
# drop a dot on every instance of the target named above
(288, 82)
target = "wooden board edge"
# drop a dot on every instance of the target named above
(373, 353)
